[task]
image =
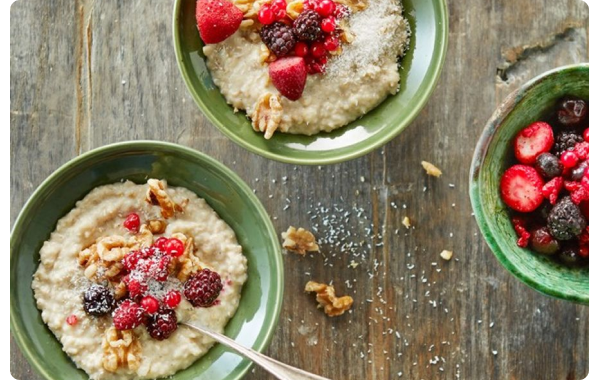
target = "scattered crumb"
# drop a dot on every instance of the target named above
(446, 255)
(406, 222)
(299, 241)
(431, 169)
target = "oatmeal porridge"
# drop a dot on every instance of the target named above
(303, 66)
(128, 264)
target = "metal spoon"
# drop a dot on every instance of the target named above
(280, 370)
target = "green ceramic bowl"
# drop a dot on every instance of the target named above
(492, 157)
(260, 305)
(420, 70)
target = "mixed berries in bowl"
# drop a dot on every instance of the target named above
(529, 183)
(547, 188)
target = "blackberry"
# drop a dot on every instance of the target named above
(565, 140)
(571, 111)
(162, 324)
(579, 170)
(203, 288)
(565, 220)
(279, 38)
(548, 165)
(98, 300)
(306, 26)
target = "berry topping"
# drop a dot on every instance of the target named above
(533, 140)
(523, 234)
(128, 315)
(217, 20)
(571, 111)
(131, 259)
(579, 171)
(569, 256)
(565, 140)
(279, 4)
(331, 43)
(565, 220)
(136, 288)
(203, 288)
(306, 26)
(552, 189)
(325, 8)
(328, 25)
(279, 38)
(542, 241)
(569, 159)
(585, 135)
(301, 49)
(581, 150)
(266, 16)
(289, 75)
(172, 299)
(72, 320)
(150, 304)
(132, 222)
(548, 165)
(162, 324)
(174, 247)
(318, 50)
(98, 300)
(341, 11)
(521, 188)
(280, 14)
(160, 243)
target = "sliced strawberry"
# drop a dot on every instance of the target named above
(533, 140)
(521, 188)
(289, 76)
(217, 20)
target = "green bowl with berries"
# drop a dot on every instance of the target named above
(420, 69)
(257, 315)
(494, 155)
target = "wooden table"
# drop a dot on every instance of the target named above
(85, 74)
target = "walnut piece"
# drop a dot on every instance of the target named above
(326, 298)
(102, 260)
(431, 169)
(354, 5)
(156, 226)
(267, 114)
(121, 350)
(299, 241)
(188, 263)
(446, 255)
(158, 196)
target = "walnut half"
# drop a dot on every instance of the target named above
(267, 114)
(299, 241)
(158, 196)
(121, 350)
(326, 298)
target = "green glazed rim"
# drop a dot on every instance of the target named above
(373, 130)
(267, 329)
(517, 110)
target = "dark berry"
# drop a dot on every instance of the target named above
(548, 165)
(128, 315)
(571, 111)
(306, 26)
(162, 324)
(579, 170)
(565, 140)
(569, 256)
(279, 38)
(132, 222)
(203, 288)
(565, 220)
(98, 300)
(542, 241)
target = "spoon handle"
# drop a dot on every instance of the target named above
(280, 370)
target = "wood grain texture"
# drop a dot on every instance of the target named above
(85, 74)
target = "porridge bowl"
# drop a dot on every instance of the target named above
(419, 70)
(253, 322)
(493, 155)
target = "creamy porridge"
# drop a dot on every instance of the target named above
(125, 266)
(316, 67)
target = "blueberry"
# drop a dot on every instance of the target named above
(548, 165)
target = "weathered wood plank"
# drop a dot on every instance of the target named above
(90, 73)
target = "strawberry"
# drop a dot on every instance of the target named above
(217, 20)
(552, 189)
(521, 188)
(127, 316)
(533, 140)
(289, 76)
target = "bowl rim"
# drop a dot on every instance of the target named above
(270, 326)
(437, 64)
(480, 153)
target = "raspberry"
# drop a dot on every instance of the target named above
(579, 195)
(306, 26)
(172, 299)
(72, 320)
(523, 234)
(136, 288)
(132, 222)
(150, 304)
(162, 324)
(565, 140)
(174, 247)
(279, 38)
(565, 220)
(128, 315)
(131, 259)
(203, 288)
(582, 150)
(98, 300)
(552, 189)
